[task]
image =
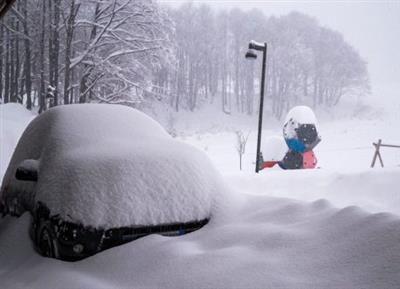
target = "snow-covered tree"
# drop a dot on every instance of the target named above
(130, 52)
(98, 50)
(307, 63)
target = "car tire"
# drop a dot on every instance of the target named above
(46, 240)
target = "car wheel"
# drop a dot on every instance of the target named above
(46, 242)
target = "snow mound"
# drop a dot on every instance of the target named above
(265, 243)
(375, 190)
(14, 112)
(112, 166)
(273, 148)
(13, 120)
(258, 239)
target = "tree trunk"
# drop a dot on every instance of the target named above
(236, 88)
(1, 61)
(84, 84)
(18, 97)
(50, 12)
(28, 77)
(68, 49)
(7, 70)
(42, 93)
(13, 89)
(305, 84)
(54, 47)
(56, 39)
(315, 93)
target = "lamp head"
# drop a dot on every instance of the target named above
(250, 54)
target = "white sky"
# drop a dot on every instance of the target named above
(372, 27)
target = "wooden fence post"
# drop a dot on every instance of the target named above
(377, 154)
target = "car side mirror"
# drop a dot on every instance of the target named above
(27, 170)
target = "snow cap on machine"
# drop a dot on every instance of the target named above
(300, 129)
(273, 148)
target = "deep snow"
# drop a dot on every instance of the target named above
(333, 227)
(266, 243)
(109, 166)
(13, 120)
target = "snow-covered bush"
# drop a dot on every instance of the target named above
(241, 145)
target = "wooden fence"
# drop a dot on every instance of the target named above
(377, 153)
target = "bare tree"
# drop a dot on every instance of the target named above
(42, 91)
(307, 63)
(1, 60)
(27, 65)
(241, 145)
(120, 51)
(69, 22)
(7, 77)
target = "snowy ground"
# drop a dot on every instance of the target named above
(13, 120)
(344, 158)
(334, 227)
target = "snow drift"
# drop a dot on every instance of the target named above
(265, 243)
(13, 120)
(111, 166)
(259, 239)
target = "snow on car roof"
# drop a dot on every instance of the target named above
(111, 166)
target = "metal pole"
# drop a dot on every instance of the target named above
(260, 114)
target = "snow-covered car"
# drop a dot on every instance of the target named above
(94, 176)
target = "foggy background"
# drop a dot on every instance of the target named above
(175, 58)
(371, 27)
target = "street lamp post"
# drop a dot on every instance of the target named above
(251, 54)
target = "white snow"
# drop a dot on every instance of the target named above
(273, 148)
(328, 228)
(298, 115)
(13, 120)
(302, 114)
(30, 165)
(265, 243)
(111, 166)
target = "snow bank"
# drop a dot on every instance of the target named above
(375, 190)
(13, 120)
(273, 148)
(257, 239)
(111, 166)
(265, 243)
